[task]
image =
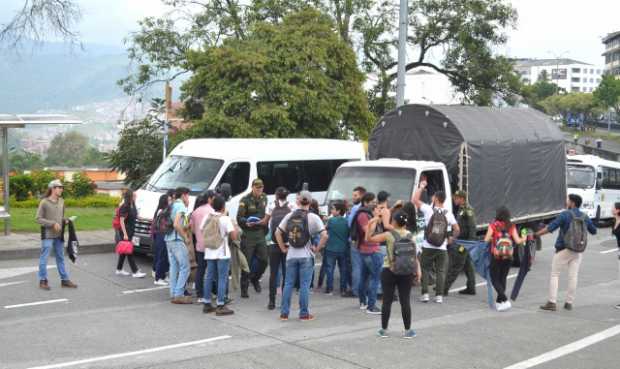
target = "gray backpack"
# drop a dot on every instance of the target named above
(436, 231)
(404, 261)
(576, 237)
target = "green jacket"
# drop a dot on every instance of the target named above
(466, 218)
(250, 206)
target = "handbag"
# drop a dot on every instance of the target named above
(124, 248)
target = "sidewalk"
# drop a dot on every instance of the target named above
(28, 245)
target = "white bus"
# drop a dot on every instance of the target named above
(597, 181)
(203, 164)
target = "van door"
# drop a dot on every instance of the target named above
(237, 175)
(437, 180)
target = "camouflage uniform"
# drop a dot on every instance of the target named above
(253, 238)
(458, 256)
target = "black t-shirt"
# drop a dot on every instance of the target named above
(129, 212)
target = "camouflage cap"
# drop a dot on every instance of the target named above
(258, 183)
(460, 194)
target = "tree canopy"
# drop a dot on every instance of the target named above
(72, 149)
(607, 94)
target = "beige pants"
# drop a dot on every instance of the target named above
(560, 260)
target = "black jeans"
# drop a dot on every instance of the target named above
(200, 273)
(130, 259)
(277, 259)
(390, 282)
(499, 273)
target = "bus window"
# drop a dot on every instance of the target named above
(293, 174)
(238, 176)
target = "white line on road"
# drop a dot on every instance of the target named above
(511, 276)
(129, 292)
(131, 353)
(609, 251)
(36, 303)
(567, 349)
(11, 283)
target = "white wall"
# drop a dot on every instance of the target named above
(589, 76)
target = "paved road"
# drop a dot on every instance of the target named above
(100, 326)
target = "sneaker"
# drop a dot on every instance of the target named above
(467, 292)
(329, 292)
(439, 299)
(502, 306)
(67, 284)
(283, 317)
(244, 294)
(363, 306)
(122, 272)
(223, 311)
(138, 274)
(208, 309)
(409, 334)
(508, 305)
(349, 294)
(228, 301)
(271, 305)
(373, 311)
(307, 318)
(160, 282)
(617, 306)
(256, 285)
(382, 333)
(182, 300)
(44, 285)
(201, 300)
(568, 306)
(549, 306)
(425, 298)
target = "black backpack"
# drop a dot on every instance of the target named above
(297, 232)
(576, 237)
(277, 214)
(436, 231)
(163, 221)
(354, 232)
(404, 255)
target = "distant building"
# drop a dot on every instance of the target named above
(612, 53)
(427, 86)
(94, 174)
(570, 75)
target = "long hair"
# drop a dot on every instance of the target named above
(128, 198)
(412, 221)
(48, 193)
(502, 214)
(201, 200)
(163, 204)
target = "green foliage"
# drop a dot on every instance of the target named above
(608, 94)
(73, 150)
(21, 186)
(139, 151)
(80, 186)
(534, 94)
(22, 161)
(41, 180)
(94, 201)
(573, 103)
(294, 79)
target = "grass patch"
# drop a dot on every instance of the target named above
(88, 219)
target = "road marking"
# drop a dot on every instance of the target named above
(567, 349)
(609, 251)
(11, 283)
(511, 276)
(129, 292)
(36, 303)
(14, 272)
(131, 353)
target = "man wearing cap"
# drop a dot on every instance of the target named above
(458, 256)
(50, 215)
(252, 219)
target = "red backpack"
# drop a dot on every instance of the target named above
(502, 247)
(116, 221)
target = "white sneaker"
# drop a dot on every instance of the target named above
(363, 306)
(139, 274)
(122, 272)
(508, 305)
(425, 298)
(201, 300)
(502, 306)
(439, 299)
(160, 282)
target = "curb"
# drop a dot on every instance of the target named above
(33, 253)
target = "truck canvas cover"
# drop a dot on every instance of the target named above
(515, 156)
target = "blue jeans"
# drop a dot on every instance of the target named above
(305, 267)
(219, 266)
(371, 273)
(331, 258)
(383, 250)
(179, 267)
(46, 247)
(356, 270)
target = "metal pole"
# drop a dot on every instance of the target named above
(5, 178)
(402, 52)
(167, 106)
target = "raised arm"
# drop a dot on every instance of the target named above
(417, 195)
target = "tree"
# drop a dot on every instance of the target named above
(67, 149)
(573, 104)
(608, 94)
(40, 20)
(534, 94)
(139, 151)
(25, 160)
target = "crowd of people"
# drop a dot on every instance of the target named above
(380, 252)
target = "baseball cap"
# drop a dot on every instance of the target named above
(55, 183)
(305, 196)
(460, 193)
(257, 183)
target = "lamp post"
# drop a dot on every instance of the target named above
(402, 52)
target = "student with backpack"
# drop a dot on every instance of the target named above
(400, 267)
(202, 209)
(160, 253)
(572, 240)
(277, 259)
(438, 221)
(298, 227)
(217, 229)
(502, 237)
(176, 238)
(355, 260)
(337, 246)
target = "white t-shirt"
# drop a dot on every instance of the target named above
(226, 227)
(427, 210)
(315, 226)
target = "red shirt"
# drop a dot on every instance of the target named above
(365, 247)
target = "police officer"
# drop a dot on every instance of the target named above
(458, 256)
(253, 220)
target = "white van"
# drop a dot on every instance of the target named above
(597, 181)
(202, 164)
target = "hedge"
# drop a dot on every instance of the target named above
(95, 201)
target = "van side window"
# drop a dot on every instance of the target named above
(238, 176)
(435, 183)
(293, 174)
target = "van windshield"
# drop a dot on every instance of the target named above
(398, 182)
(197, 174)
(580, 176)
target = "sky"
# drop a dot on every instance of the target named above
(546, 28)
